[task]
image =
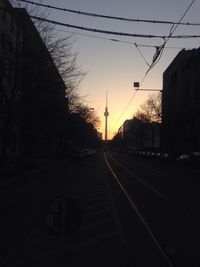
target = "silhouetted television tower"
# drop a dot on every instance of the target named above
(106, 114)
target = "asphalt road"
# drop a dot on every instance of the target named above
(125, 212)
(168, 197)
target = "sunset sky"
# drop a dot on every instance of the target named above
(114, 66)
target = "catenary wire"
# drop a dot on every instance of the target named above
(142, 54)
(110, 17)
(159, 49)
(124, 110)
(183, 36)
(137, 45)
(156, 58)
(120, 41)
(114, 32)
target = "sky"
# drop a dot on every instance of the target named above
(112, 67)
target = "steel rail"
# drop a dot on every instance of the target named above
(161, 195)
(153, 236)
(139, 165)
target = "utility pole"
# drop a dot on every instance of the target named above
(106, 114)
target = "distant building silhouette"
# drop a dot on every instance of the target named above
(181, 104)
(138, 135)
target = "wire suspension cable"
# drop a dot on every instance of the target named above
(114, 32)
(106, 31)
(156, 57)
(120, 41)
(175, 27)
(124, 110)
(159, 49)
(142, 54)
(110, 17)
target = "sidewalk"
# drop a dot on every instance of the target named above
(10, 177)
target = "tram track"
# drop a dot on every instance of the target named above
(147, 227)
(179, 184)
(159, 172)
(150, 202)
(157, 192)
(126, 221)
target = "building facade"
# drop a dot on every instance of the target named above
(10, 45)
(181, 104)
(138, 135)
(33, 106)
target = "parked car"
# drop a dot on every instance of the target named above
(164, 156)
(184, 157)
(195, 155)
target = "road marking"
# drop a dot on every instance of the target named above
(89, 194)
(98, 212)
(97, 224)
(95, 198)
(89, 242)
(117, 220)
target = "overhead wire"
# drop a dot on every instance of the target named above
(175, 27)
(142, 54)
(113, 32)
(183, 36)
(119, 41)
(156, 58)
(137, 45)
(109, 17)
(124, 110)
(159, 49)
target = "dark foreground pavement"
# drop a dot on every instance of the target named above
(35, 219)
(29, 236)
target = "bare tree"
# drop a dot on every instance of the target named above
(87, 113)
(12, 69)
(149, 116)
(60, 48)
(151, 109)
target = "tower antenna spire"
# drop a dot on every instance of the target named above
(106, 114)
